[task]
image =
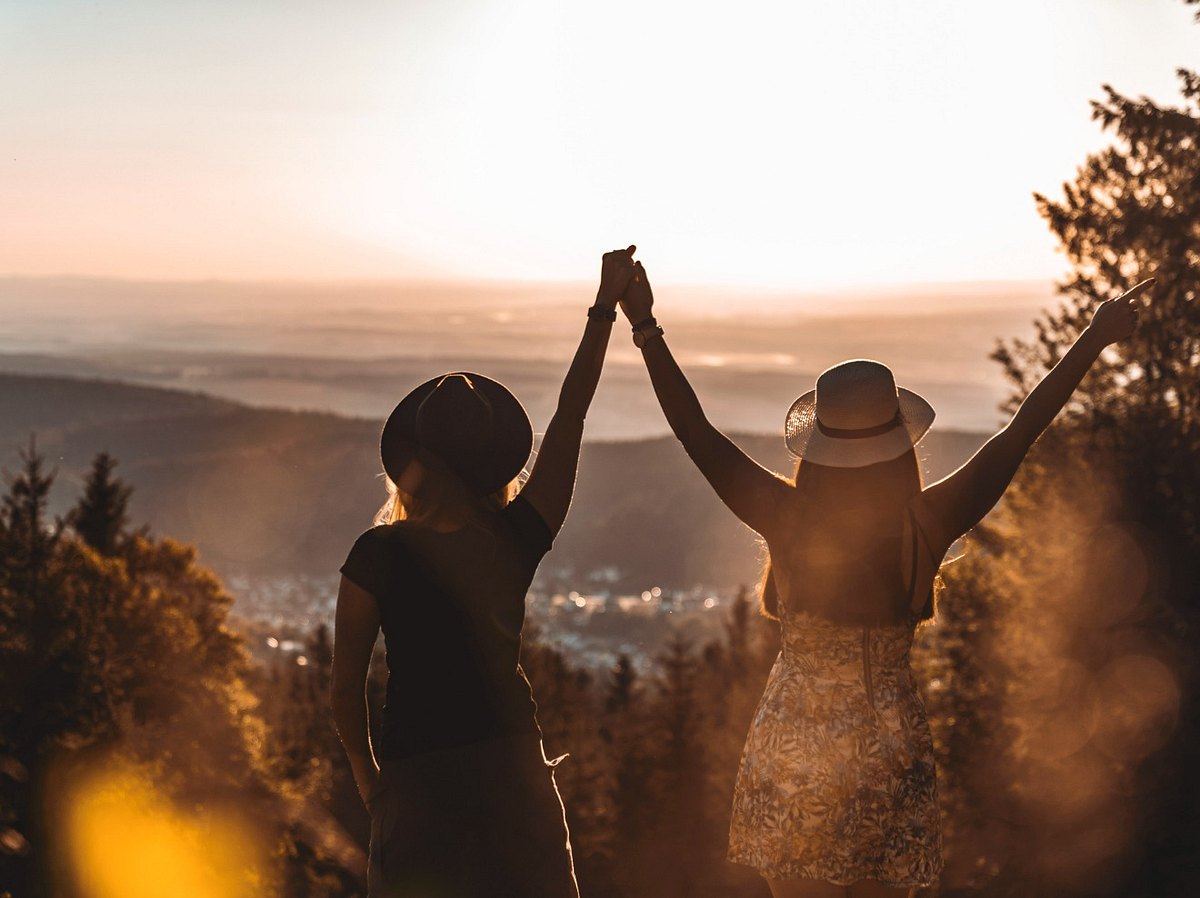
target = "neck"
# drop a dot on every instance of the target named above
(453, 517)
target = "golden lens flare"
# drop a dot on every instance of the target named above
(126, 840)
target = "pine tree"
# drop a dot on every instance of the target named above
(621, 685)
(130, 659)
(48, 695)
(1091, 567)
(625, 743)
(29, 538)
(1133, 212)
(101, 516)
(34, 623)
(683, 798)
(737, 631)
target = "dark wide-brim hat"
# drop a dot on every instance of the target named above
(474, 425)
(856, 416)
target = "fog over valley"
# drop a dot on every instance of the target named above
(352, 349)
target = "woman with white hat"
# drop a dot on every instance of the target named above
(836, 792)
(461, 797)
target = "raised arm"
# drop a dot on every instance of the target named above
(954, 505)
(749, 490)
(552, 481)
(355, 627)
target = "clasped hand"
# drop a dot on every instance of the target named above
(623, 281)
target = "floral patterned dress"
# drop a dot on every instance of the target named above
(837, 778)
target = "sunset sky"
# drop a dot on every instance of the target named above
(794, 144)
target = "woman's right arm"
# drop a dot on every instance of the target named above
(749, 490)
(355, 629)
(955, 504)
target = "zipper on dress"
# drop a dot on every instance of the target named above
(866, 651)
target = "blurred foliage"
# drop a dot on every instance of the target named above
(652, 759)
(125, 660)
(1063, 670)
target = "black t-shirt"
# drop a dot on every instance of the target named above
(451, 606)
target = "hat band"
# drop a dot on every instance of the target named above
(860, 433)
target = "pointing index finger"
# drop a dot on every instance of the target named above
(1137, 289)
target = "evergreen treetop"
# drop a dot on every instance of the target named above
(101, 516)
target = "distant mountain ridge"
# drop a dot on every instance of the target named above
(350, 349)
(268, 492)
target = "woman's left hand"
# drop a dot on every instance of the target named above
(1117, 319)
(616, 271)
(638, 301)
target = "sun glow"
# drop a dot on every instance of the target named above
(795, 144)
(125, 840)
(799, 143)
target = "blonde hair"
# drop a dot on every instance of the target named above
(438, 489)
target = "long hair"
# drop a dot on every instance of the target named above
(438, 489)
(847, 524)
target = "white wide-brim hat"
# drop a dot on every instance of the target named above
(856, 416)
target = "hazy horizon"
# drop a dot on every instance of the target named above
(310, 207)
(128, 296)
(352, 349)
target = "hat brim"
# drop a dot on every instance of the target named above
(804, 439)
(498, 463)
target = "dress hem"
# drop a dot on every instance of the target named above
(770, 873)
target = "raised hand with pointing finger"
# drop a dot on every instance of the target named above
(1116, 319)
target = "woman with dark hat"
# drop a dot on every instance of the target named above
(836, 793)
(461, 797)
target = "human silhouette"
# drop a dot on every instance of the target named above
(461, 796)
(836, 791)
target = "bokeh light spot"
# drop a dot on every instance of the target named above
(126, 840)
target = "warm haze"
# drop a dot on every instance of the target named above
(233, 233)
(796, 145)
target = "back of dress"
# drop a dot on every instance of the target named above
(837, 778)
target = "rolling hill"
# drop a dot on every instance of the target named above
(268, 492)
